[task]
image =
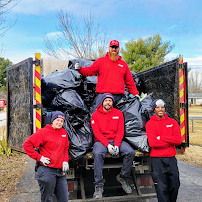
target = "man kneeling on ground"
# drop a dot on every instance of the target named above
(108, 128)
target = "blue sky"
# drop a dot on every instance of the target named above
(177, 21)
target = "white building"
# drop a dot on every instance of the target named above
(195, 99)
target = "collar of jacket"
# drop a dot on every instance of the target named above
(154, 117)
(49, 127)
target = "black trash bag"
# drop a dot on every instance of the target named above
(88, 93)
(134, 121)
(46, 118)
(82, 62)
(147, 105)
(76, 148)
(69, 100)
(91, 80)
(139, 142)
(47, 108)
(85, 135)
(93, 106)
(138, 82)
(77, 117)
(59, 80)
(80, 137)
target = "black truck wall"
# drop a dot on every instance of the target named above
(19, 104)
(163, 81)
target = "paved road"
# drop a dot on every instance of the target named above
(191, 184)
(190, 189)
(3, 118)
(195, 117)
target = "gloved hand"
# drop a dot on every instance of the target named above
(77, 66)
(65, 166)
(132, 96)
(137, 96)
(45, 160)
(110, 149)
(116, 150)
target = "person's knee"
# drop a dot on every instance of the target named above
(99, 150)
(175, 183)
(98, 154)
(131, 152)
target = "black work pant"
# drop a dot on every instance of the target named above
(165, 176)
(51, 181)
(99, 153)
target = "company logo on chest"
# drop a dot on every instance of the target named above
(169, 126)
(115, 117)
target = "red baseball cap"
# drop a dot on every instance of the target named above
(114, 43)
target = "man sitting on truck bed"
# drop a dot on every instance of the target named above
(163, 134)
(108, 128)
(112, 74)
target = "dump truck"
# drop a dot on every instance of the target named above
(25, 116)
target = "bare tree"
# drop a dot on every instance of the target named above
(195, 81)
(5, 7)
(84, 40)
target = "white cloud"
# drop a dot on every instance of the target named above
(171, 56)
(194, 63)
(53, 34)
(124, 41)
(16, 57)
(145, 37)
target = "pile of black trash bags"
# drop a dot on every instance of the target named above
(68, 91)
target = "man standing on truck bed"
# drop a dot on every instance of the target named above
(112, 74)
(163, 134)
(108, 128)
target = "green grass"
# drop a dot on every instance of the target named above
(192, 156)
(195, 137)
(3, 132)
(195, 109)
(193, 153)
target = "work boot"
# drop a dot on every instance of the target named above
(124, 183)
(98, 192)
